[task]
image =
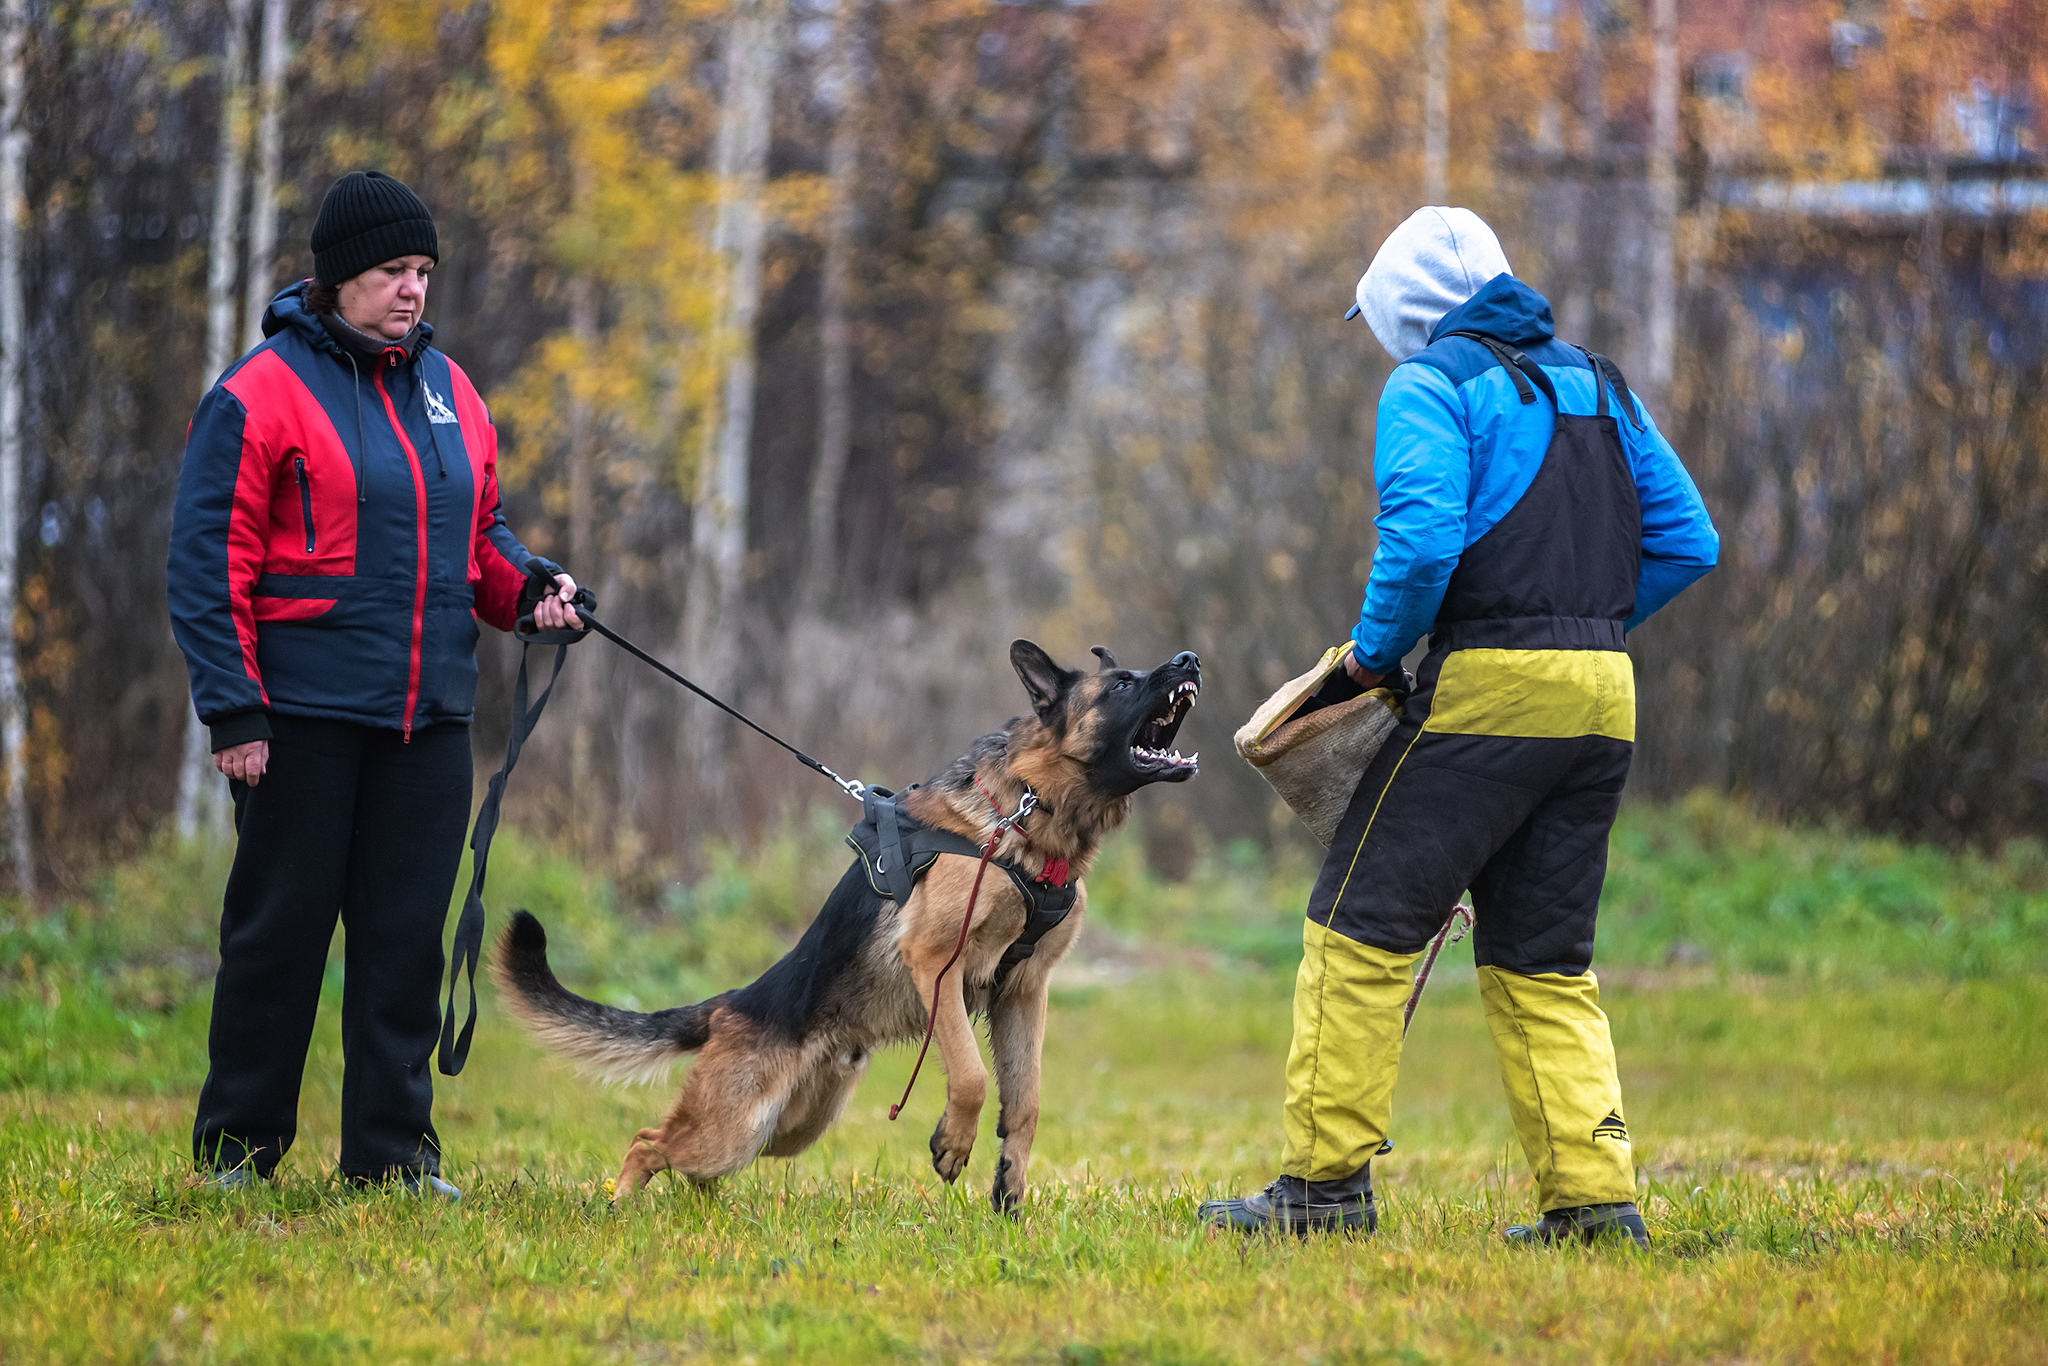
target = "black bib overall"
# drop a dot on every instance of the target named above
(1503, 778)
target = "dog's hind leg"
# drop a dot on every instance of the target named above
(730, 1104)
(1016, 1031)
(816, 1101)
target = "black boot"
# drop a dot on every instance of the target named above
(1292, 1205)
(1587, 1223)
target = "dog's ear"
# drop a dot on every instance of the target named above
(1102, 653)
(1045, 681)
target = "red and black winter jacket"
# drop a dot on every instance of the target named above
(337, 535)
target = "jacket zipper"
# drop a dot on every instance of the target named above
(419, 592)
(305, 499)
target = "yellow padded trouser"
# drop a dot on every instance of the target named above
(1345, 1055)
(1557, 1063)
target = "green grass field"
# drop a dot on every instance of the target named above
(1835, 1052)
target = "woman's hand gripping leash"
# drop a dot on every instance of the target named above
(1025, 805)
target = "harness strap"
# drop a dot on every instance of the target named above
(897, 850)
(1046, 905)
(892, 859)
(469, 929)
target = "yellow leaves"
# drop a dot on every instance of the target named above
(798, 203)
(586, 166)
(413, 27)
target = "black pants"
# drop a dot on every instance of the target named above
(355, 822)
(1520, 819)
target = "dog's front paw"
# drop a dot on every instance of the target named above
(951, 1145)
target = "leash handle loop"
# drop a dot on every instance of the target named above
(540, 586)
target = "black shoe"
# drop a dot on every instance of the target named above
(1587, 1223)
(1292, 1205)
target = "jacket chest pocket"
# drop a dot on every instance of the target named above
(313, 516)
(305, 482)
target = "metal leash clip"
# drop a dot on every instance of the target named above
(852, 787)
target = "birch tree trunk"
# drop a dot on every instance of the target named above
(1436, 100)
(201, 801)
(13, 209)
(718, 540)
(270, 65)
(582, 693)
(835, 333)
(1576, 319)
(1663, 196)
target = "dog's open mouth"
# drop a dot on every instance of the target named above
(1152, 747)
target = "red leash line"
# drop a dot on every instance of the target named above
(1461, 920)
(931, 1023)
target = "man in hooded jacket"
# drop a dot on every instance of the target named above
(1531, 514)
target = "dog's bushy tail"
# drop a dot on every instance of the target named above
(616, 1044)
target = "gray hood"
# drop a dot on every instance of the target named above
(1429, 265)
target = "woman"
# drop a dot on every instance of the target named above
(337, 535)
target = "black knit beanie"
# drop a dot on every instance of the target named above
(367, 219)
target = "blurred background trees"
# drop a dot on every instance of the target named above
(835, 344)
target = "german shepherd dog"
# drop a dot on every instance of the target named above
(777, 1059)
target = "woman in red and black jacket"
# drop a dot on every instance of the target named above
(336, 540)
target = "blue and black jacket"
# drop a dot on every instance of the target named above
(337, 533)
(1457, 448)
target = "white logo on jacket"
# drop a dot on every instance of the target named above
(438, 412)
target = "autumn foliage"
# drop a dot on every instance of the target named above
(1099, 389)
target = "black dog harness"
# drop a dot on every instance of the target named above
(896, 850)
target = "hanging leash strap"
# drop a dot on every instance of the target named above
(1025, 805)
(469, 929)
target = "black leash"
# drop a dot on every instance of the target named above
(849, 786)
(469, 928)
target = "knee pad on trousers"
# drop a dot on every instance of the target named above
(1557, 1063)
